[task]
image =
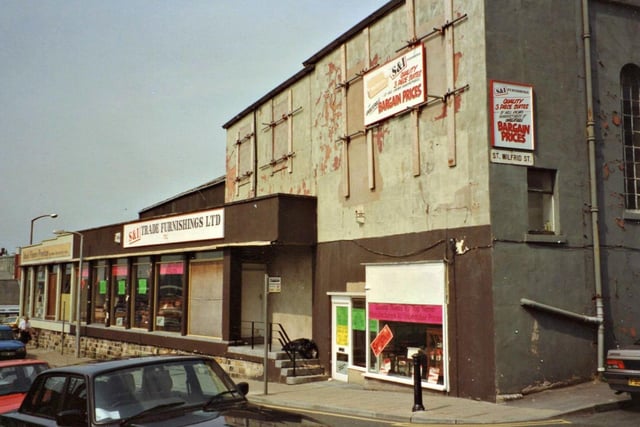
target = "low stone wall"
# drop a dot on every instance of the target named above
(104, 349)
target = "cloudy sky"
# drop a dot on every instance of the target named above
(108, 107)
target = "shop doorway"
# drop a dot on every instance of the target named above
(252, 303)
(348, 335)
(340, 348)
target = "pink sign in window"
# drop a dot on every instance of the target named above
(172, 268)
(119, 270)
(412, 313)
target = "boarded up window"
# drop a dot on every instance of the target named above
(205, 299)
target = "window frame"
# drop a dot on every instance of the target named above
(630, 108)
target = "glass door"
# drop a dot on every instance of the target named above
(340, 343)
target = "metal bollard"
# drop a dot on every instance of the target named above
(417, 382)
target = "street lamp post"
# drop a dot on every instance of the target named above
(53, 215)
(78, 286)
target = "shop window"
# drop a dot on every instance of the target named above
(169, 292)
(541, 201)
(359, 332)
(100, 292)
(141, 291)
(39, 297)
(27, 292)
(395, 357)
(630, 85)
(65, 292)
(52, 293)
(84, 291)
(120, 292)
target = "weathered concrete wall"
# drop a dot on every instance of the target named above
(615, 44)
(523, 47)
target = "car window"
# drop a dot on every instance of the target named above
(75, 397)
(6, 334)
(18, 379)
(45, 400)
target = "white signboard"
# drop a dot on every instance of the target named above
(510, 157)
(205, 225)
(394, 86)
(275, 284)
(512, 115)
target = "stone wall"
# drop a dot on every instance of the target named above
(104, 350)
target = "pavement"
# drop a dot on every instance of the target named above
(353, 400)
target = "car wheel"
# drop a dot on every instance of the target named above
(635, 398)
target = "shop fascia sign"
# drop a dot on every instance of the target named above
(512, 123)
(395, 86)
(205, 225)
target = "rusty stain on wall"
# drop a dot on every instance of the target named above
(329, 116)
(615, 119)
(379, 135)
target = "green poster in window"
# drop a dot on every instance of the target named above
(358, 322)
(342, 316)
(373, 325)
(102, 287)
(142, 286)
(122, 287)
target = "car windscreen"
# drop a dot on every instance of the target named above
(125, 393)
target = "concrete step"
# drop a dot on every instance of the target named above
(302, 371)
(287, 363)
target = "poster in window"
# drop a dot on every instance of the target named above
(380, 342)
(512, 115)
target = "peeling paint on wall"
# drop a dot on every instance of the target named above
(329, 117)
(379, 135)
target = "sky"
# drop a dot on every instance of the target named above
(109, 107)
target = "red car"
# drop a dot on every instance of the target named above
(16, 377)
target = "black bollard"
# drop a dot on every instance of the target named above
(417, 382)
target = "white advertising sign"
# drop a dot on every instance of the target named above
(394, 86)
(181, 228)
(512, 115)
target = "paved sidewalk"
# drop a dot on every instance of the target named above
(354, 400)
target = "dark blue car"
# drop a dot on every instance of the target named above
(11, 348)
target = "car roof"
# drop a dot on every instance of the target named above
(19, 362)
(102, 366)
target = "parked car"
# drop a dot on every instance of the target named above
(146, 391)
(12, 322)
(10, 347)
(16, 377)
(623, 370)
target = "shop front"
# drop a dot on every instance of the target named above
(406, 314)
(401, 312)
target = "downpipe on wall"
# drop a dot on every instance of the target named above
(597, 274)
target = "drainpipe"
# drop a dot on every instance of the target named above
(597, 275)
